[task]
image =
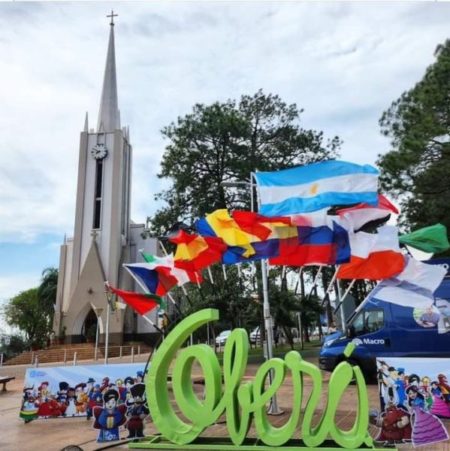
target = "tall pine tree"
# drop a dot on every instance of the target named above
(417, 167)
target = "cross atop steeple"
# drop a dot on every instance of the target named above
(108, 118)
(112, 15)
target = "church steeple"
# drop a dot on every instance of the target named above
(108, 117)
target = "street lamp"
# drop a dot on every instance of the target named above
(268, 322)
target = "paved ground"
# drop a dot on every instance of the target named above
(55, 434)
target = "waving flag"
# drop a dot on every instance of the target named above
(324, 245)
(142, 303)
(414, 286)
(160, 275)
(220, 224)
(365, 215)
(195, 252)
(304, 189)
(373, 256)
(258, 225)
(431, 239)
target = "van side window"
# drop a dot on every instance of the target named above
(367, 322)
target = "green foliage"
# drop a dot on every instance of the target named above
(47, 289)
(25, 311)
(230, 296)
(32, 310)
(225, 142)
(417, 167)
(14, 345)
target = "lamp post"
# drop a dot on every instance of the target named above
(268, 323)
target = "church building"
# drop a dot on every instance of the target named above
(104, 237)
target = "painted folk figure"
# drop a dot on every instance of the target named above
(110, 417)
(246, 402)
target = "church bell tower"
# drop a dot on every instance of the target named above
(101, 241)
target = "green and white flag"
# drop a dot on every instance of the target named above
(432, 239)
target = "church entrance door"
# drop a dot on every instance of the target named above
(89, 328)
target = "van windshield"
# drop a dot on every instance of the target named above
(367, 321)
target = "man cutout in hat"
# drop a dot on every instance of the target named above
(137, 411)
(109, 417)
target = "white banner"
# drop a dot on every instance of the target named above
(73, 391)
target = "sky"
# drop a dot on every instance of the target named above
(342, 62)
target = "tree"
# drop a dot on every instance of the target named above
(225, 142)
(24, 311)
(13, 345)
(417, 167)
(47, 291)
(32, 310)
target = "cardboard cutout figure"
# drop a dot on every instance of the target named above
(81, 399)
(28, 411)
(110, 417)
(71, 399)
(395, 424)
(427, 428)
(137, 411)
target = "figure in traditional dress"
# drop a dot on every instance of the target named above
(81, 398)
(71, 410)
(445, 388)
(122, 391)
(440, 407)
(395, 425)
(425, 389)
(89, 385)
(61, 396)
(401, 386)
(29, 411)
(137, 411)
(110, 417)
(427, 428)
(105, 384)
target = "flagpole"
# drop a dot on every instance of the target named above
(298, 279)
(341, 300)
(224, 272)
(330, 285)
(153, 324)
(210, 275)
(273, 408)
(268, 322)
(316, 279)
(108, 314)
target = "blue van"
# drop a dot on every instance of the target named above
(382, 329)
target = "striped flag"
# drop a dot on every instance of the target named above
(305, 189)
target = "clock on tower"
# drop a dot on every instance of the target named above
(99, 151)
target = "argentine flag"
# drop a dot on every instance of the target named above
(304, 189)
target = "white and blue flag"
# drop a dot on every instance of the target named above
(304, 189)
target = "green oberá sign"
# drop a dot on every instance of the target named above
(246, 402)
